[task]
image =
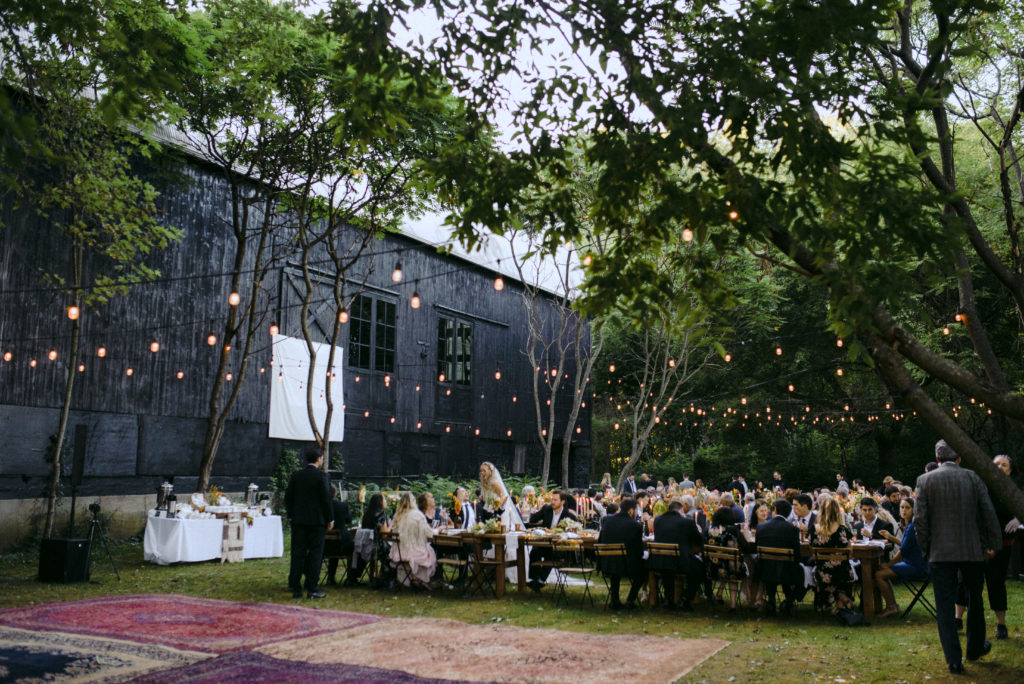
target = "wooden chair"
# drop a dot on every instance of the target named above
(774, 555)
(723, 565)
(572, 559)
(545, 547)
(822, 555)
(484, 570)
(332, 540)
(402, 571)
(663, 561)
(917, 589)
(611, 562)
(452, 559)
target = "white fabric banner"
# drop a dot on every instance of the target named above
(289, 418)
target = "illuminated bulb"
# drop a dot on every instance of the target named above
(53, 355)
(129, 372)
(419, 425)
(945, 330)
(687, 235)
(839, 342)
(447, 428)
(211, 339)
(343, 315)
(839, 372)
(778, 351)
(579, 430)
(392, 420)
(229, 377)
(790, 387)
(8, 356)
(415, 301)
(32, 363)
(81, 367)
(234, 299)
(958, 318)
(181, 374)
(616, 426)
(728, 357)
(417, 388)
(262, 369)
(101, 352)
(154, 346)
(733, 215)
(440, 378)
(447, 393)
(366, 414)
(587, 260)
(671, 363)
(514, 399)
(73, 313)
(554, 372)
(499, 284)
(611, 368)
(357, 377)
(227, 347)
(477, 432)
(508, 433)
(396, 275)
(274, 329)
(497, 375)
(280, 377)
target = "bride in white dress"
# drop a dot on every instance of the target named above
(496, 500)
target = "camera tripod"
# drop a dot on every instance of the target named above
(96, 529)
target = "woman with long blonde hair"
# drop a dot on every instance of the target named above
(834, 579)
(413, 547)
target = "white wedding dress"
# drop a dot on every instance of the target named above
(512, 521)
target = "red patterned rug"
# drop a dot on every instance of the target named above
(194, 624)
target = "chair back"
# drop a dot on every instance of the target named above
(663, 557)
(778, 566)
(773, 553)
(611, 558)
(448, 542)
(824, 554)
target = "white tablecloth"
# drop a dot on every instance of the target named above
(176, 540)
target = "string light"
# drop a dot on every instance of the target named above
(945, 330)
(229, 377)
(211, 339)
(687, 235)
(611, 368)
(396, 275)
(32, 363)
(497, 375)
(181, 374)
(958, 318)
(73, 313)
(129, 372)
(274, 330)
(728, 357)
(508, 433)
(419, 425)
(734, 215)
(415, 301)
(53, 354)
(499, 284)
(81, 367)
(343, 315)
(366, 414)
(440, 378)
(778, 351)
(154, 346)
(8, 356)
(234, 299)
(587, 260)
(101, 352)
(477, 432)
(839, 342)
(839, 372)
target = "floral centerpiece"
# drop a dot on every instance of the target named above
(570, 525)
(492, 525)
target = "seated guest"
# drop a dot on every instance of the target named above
(891, 502)
(597, 501)
(907, 563)
(695, 514)
(727, 501)
(833, 579)
(803, 517)
(375, 518)
(621, 528)
(465, 517)
(870, 525)
(425, 502)
(413, 548)
(779, 533)
(672, 528)
(334, 549)
(547, 517)
(725, 532)
(612, 508)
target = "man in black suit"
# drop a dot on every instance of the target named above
(781, 534)
(345, 544)
(629, 486)
(547, 517)
(308, 502)
(672, 528)
(621, 528)
(870, 525)
(803, 517)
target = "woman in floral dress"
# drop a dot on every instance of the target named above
(833, 579)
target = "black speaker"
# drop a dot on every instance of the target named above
(78, 464)
(64, 560)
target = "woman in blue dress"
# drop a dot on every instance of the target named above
(908, 563)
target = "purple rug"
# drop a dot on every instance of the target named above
(245, 667)
(185, 622)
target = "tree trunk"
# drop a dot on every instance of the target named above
(62, 428)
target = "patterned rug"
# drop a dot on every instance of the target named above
(245, 667)
(455, 650)
(195, 624)
(56, 657)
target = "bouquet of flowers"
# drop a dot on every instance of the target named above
(569, 525)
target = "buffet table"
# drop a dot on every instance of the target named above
(184, 540)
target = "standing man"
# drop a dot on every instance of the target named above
(957, 530)
(629, 486)
(308, 502)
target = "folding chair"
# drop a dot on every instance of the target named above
(483, 577)
(542, 555)
(332, 551)
(822, 555)
(723, 565)
(663, 561)
(403, 573)
(611, 562)
(573, 563)
(917, 589)
(774, 555)
(452, 559)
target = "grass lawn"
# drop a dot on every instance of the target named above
(805, 647)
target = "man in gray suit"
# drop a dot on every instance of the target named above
(957, 530)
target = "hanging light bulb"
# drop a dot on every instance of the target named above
(734, 215)
(671, 363)
(728, 357)
(229, 377)
(81, 368)
(447, 428)
(154, 346)
(129, 372)
(499, 284)
(945, 330)
(73, 312)
(396, 275)
(587, 260)
(839, 342)
(181, 374)
(778, 351)
(8, 356)
(32, 363)
(477, 432)
(743, 400)
(440, 378)
(274, 330)
(611, 368)
(579, 430)
(101, 352)
(392, 420)
(497, 375)
(211, 339)
(53, 354)
(791, 387)
(508, 433)
(616, 426)
(343, 315)
(419, 425)
(839, 372)
(415, 301)
(280, 376)
(234, 299)
(687, 235)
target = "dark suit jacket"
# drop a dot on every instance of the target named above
(672, 528)
(308, 497)
(629, 486)
(342, 519)
(781, 534)
(954, 517)
(875, 531)
(622, 529)
(546, 514)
